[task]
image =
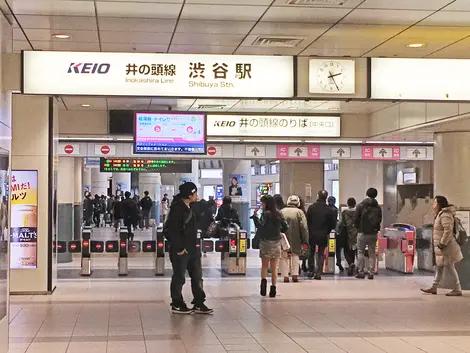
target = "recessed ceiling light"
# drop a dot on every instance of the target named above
(293, 108)
(61, 36)
(86, 105)
(416, 45)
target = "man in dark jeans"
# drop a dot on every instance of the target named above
(321, 221)
(130, 214)
(181, 231)
(146, 204)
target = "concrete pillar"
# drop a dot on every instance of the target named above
(86, 180)
(77, 198)
(65, 200)
(34, 147)
(152, 183)
(303, 179)
(241, 170)
(99, 182)
(121, 182)
(356, 176)
(451, 171)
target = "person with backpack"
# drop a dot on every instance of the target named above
(447, 251)
(321, 221)
(180, 230)
(368, 221)
(347, 233)
(146, 204)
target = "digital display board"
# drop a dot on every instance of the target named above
(144, 165)
(170, 133)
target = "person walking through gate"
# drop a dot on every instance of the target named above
(181, 232)
(447, 251)
(321, 221)
(146, 204)
(130, 214)
(368, 221)
(347, 233)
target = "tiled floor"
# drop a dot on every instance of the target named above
(333, 315)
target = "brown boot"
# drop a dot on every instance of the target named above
(295, 279)
(431, 290)
(286, 279)
(454, 293)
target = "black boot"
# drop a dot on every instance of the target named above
(263, 287)
(272, 292)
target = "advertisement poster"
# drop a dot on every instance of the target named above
(121, 188)
(219, 195)
(237, 189)
(24, 219)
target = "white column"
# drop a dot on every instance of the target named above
(356, 176)
(99, 182)
(65, 200)
(241, 169)
(86, 180)
(152, 182)
(303, 179)
(122, 182)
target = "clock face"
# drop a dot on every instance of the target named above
(331, 76)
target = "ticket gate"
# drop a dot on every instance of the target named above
(86, 252)
(401, 247)
(160, 255)
(232, 247)
(123, 265)
(424, 248)
(330, 252)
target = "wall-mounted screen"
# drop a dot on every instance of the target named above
(170, 133)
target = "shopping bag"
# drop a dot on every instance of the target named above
(213, 230)
(304, 252)
(285, 245)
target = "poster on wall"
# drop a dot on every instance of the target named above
(238, 189)
(24, 219)
(121, 188)
(219, 194)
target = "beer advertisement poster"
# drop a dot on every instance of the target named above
(24, 219)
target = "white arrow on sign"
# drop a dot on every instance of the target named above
(255, 151)
(416, 153)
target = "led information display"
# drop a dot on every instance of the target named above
(144, 165)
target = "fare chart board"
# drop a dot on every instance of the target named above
(144, 165)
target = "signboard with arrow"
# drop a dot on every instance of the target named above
(298, 152)
(381, 152)
(340, 152)
(416, 153)
(255, 151)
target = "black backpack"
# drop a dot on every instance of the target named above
(371, 219)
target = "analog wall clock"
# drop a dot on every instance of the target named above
(332, 76)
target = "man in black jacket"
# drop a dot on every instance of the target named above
(88, 209)
(146, 204)
(368, 221)
(181, 231)
(321, 221)
(129, 214)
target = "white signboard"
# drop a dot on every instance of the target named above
(173, 75)
(420, 79)
(105, 150)
(69, 149)
(416, 153)
(273, 126)
(255, 151)
(340, 152)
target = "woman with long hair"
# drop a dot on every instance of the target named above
(447, 251)
(268, 229)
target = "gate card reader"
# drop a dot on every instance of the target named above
(86, 252)
(123, 266)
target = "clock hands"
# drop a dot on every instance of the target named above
(333, 78)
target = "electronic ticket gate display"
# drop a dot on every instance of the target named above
(401, 247)
(424, 248)
(330, 251)
(123, 251)
(232, 247)
(86, 252)
(160, 255)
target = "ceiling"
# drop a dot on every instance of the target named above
(358, 28)
(224, 105)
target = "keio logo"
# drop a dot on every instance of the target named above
(88, 68)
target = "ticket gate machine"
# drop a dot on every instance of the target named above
(424, 248)
(123, 265)
(232, 247)
(401, 247)
(85, 252)
(330, 252)
(160, 251)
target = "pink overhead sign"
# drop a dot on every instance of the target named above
(381, 152)
(298, 152)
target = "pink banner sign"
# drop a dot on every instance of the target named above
(381, 152)
(298, 152)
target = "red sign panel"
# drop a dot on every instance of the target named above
(381, 152)
(298, 152)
